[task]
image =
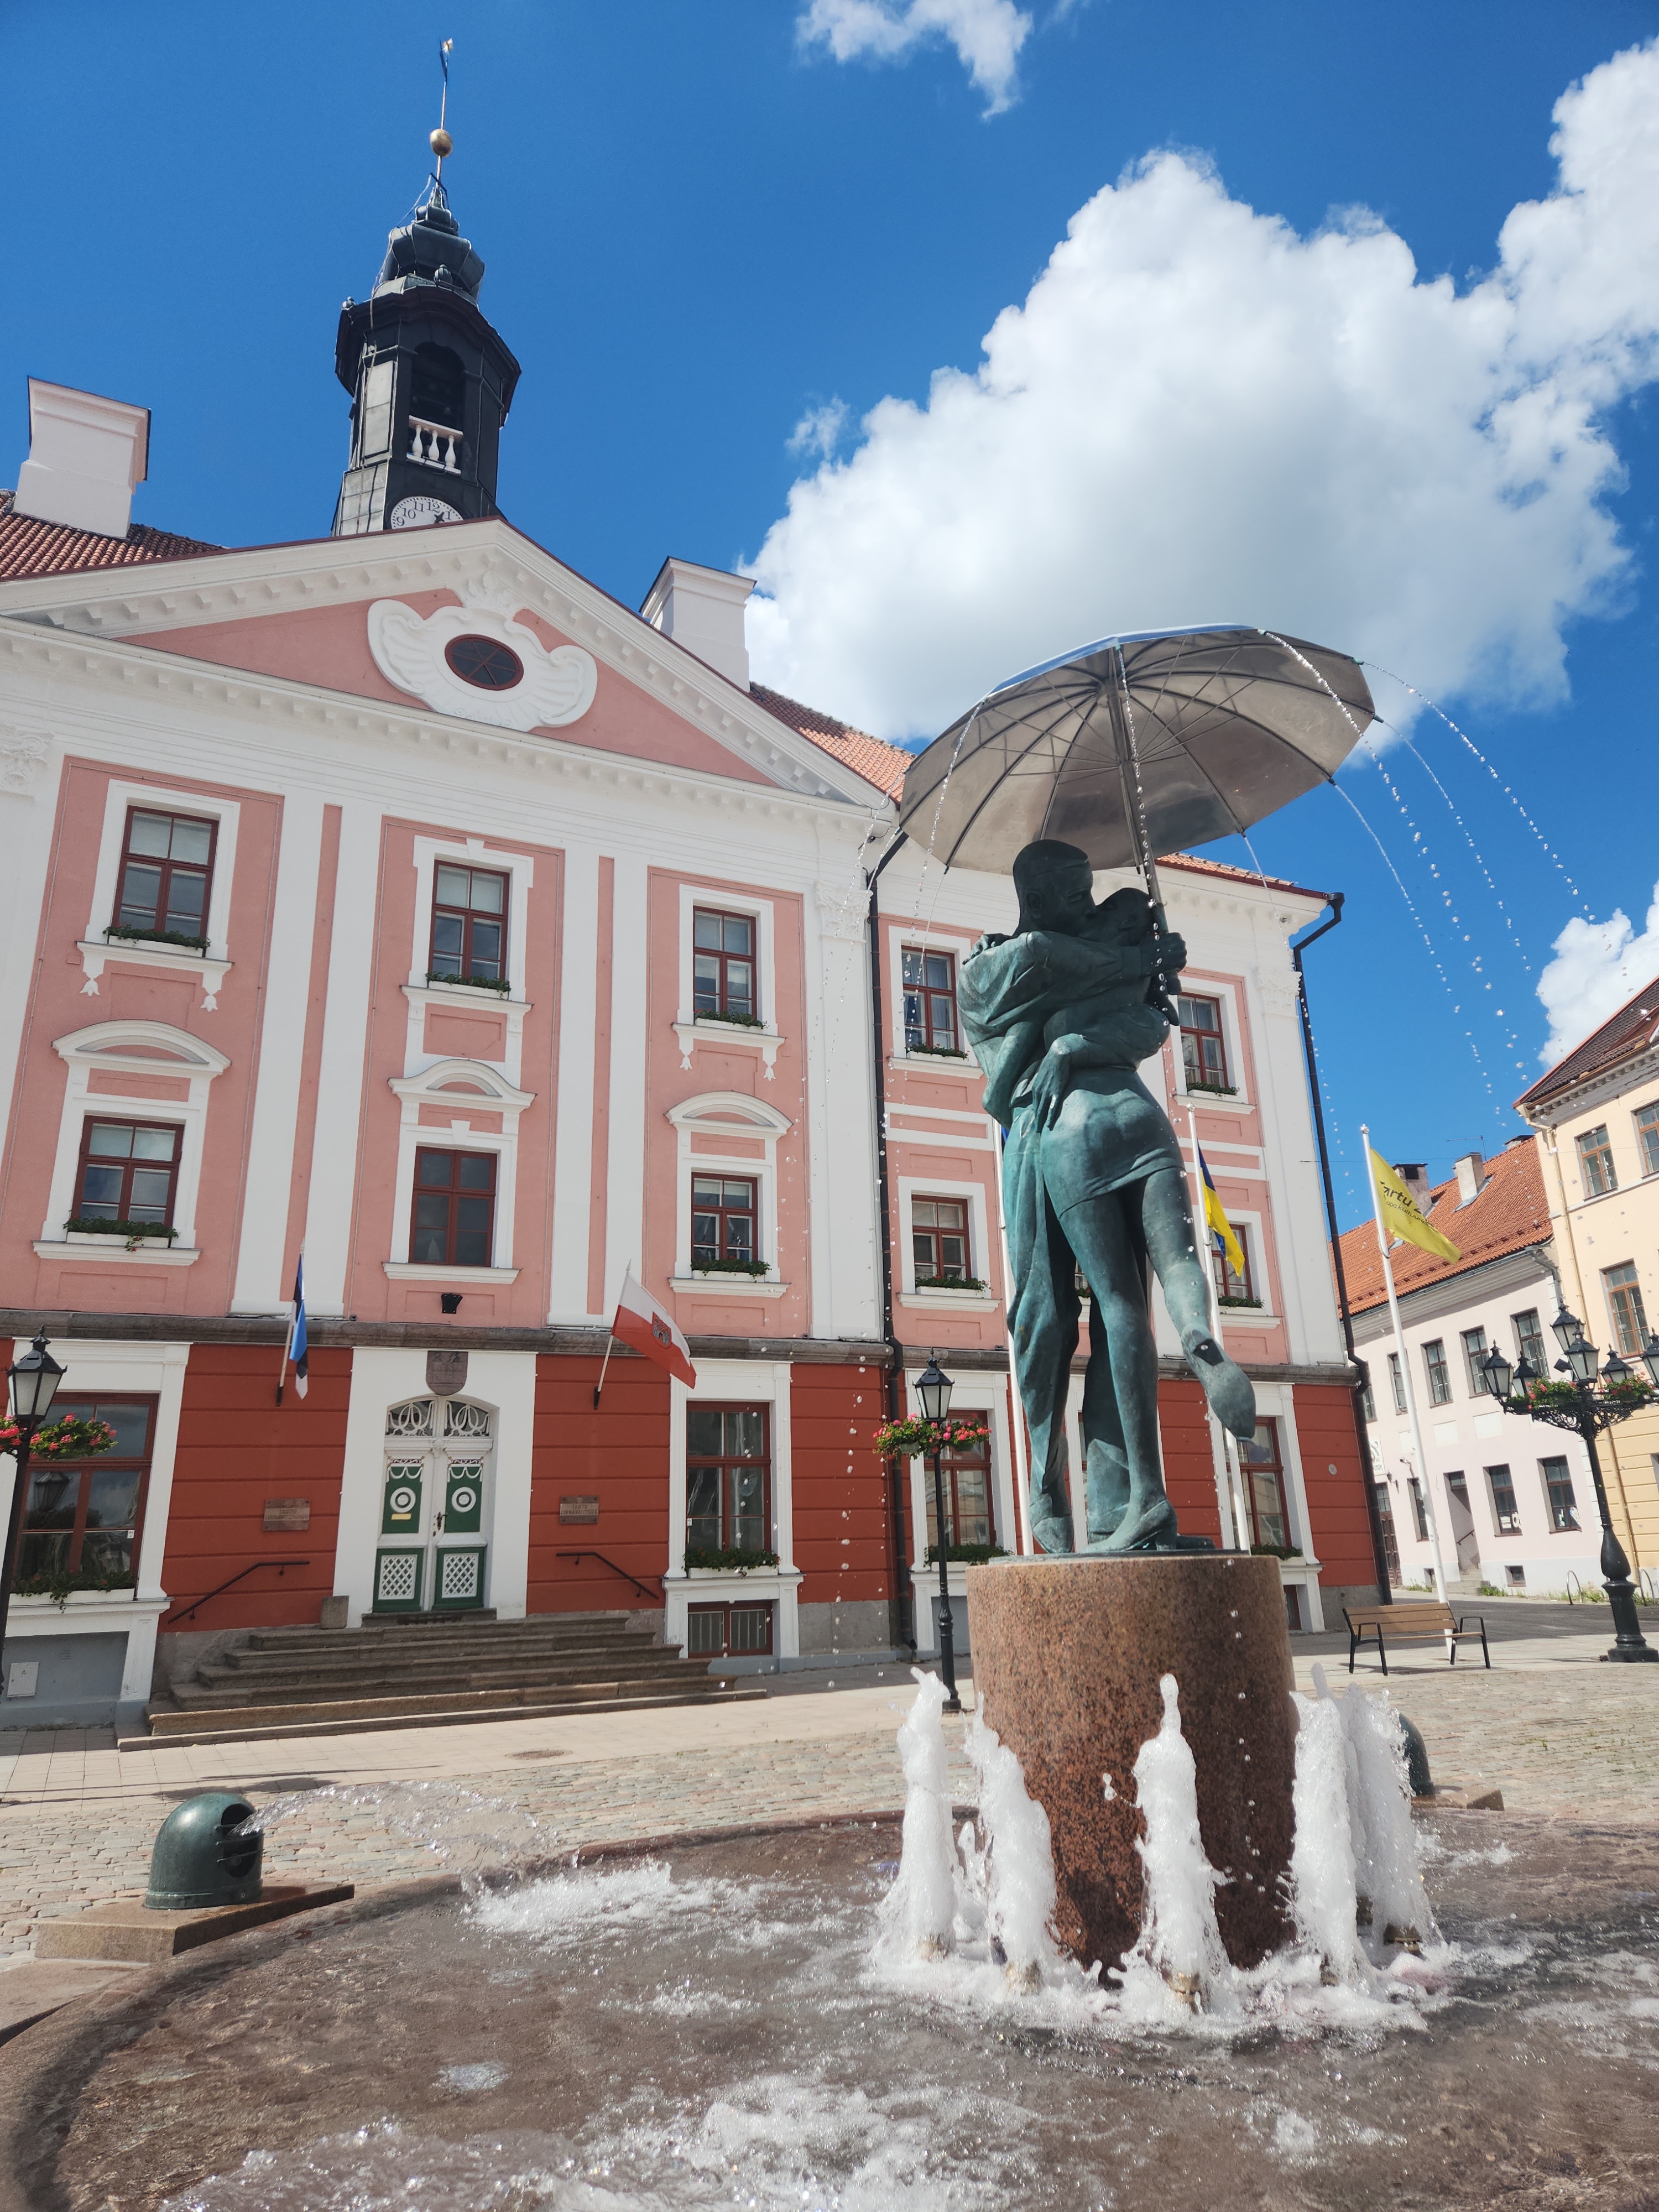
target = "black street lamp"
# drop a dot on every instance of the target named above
(34, 1379)
(1579, 1405)
(934, 1388)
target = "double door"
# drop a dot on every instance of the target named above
(432, 1554)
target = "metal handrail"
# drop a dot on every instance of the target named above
(644, 1588)
(1648, 1588)
(281, 1565)
(1573, 1584)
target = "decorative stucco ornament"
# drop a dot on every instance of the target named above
(556, 688)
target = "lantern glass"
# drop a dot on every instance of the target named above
(1498, 1373)
(1651, 1358)
(1526, 1375)
(933, 1390)
(1616, 1370)
(1565, 1328)
(1583, 1359)
(34, 1379)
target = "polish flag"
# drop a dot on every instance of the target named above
(642, 1323)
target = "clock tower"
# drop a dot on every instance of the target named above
(429, 379)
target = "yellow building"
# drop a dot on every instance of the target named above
(1597, 1117)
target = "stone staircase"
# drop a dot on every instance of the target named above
(425, 1670)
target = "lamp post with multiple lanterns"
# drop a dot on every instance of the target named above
(1578, 1404)
(33, 1379)
(934, 1388)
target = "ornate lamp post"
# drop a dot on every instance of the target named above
(933, 1390)
(33, 1379)
(1578, 1405)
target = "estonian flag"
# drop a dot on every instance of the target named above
(1215, 1218)
(297, 1349)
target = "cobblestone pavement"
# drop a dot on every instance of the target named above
(78, 1818)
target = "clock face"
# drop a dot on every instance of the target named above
(416, 514)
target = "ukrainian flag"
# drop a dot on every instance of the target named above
(1215, 1219)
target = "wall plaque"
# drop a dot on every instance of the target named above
(579, 1509)
(446, 1373)
(287, 1513)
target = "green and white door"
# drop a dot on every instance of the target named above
(433, 1552)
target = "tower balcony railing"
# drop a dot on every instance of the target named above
(434, 445)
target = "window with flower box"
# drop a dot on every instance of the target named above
(453, 1223)
(1232, 1288)
(468, 924)
(728, 1467)
(166, 876)
(128, 1174)
(724, 1220)
(82, 1523)
(723, 977)
(1203, 1045)
(930, 1003)
(966, 1467)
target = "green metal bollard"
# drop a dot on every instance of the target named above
(200, 1859)
(1417, 1756)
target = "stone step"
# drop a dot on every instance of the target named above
(385, 1641)
(259, 1724)
(223, 1689)
(385, 1666)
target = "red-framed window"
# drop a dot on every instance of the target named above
(728, 1479)
(1264, 1484)
(469, 922)
(1230, 1284)
(939, 1238)
(88, 1520)
(1203, 1045)
(166, 873)
(129, 1171)
(930, 1001)
(455, 1217)
(723, 972)
(967, 1472)
(724, 1219)
(728, 1631)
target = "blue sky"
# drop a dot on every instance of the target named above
(704, 230)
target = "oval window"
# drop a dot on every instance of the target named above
(480, 660)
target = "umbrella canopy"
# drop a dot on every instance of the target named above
(1137, 745)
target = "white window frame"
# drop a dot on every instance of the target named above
(732, 1114)
(1194, 983)
(96, 950)
(108, 1048)
(489, 1092)
(1243, 1316)
(910, 1189)
(744, 1382)
(730, 1034)
(933, 939)
(520, 868)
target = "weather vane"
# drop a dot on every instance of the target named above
(441, 141)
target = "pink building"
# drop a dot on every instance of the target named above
(400, 896)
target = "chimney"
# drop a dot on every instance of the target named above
(701, 609)
(1470, 1171)
(1414, 1175)
(87, 455)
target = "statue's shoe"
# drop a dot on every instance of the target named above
(1144, 1528)
(1052, 1534)
(1227, 1387)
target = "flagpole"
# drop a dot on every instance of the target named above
(1237, 1504)
(610, 1343)
(1405, 1370)
(282, 1365)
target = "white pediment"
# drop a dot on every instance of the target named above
(554, 689)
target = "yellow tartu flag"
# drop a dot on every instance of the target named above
(1402, 1216)
(1215, 1219)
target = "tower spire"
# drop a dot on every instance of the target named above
(440, 140)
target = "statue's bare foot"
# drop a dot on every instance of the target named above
(1143, 1528)
(1052, 1534)
(1226, 1385)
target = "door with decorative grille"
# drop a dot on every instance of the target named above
(434, 1508)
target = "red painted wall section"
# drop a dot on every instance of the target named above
(1336, 1500)
(237, 1447)
(618, 1455)
(1188, 1462)
(842, 1508)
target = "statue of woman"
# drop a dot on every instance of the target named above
(1059, 1015)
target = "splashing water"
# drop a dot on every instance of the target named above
(464, 1830)
(1018, 1865)
(1324, 1876)
(918, 1914)
(1179, 1938)
(1387, 1872)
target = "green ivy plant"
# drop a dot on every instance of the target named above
(734, 1559)
(738, 1021)
(731, 1267)
(83, 1224)
(938, 1051)
(949, 1282)
(500, 984)
(967, 1555)
(157, 936)
(59, 1585)
(1275, 1551)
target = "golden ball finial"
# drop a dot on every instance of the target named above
(442, 143)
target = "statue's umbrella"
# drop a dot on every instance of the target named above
(1137, 745)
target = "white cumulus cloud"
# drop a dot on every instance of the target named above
(1197, 414)
(1598, 965)
(988, 35)
(819, 429)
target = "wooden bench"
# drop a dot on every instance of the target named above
(1412, 1622)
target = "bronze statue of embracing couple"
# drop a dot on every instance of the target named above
(1061, 1014)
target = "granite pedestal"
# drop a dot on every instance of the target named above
(1068, 1654)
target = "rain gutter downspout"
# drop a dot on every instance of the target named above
(883, 1207)
(1379, 1556)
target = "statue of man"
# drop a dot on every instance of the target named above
(1061, 1014)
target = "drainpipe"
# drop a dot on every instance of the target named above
(906, 1634)
(1379, 1556)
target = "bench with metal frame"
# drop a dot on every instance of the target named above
(1412, 1623)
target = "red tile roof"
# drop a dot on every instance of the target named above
(28, 547)
(1626, 1033)
(1194, 865)
(882, 764)
(1508, 1213)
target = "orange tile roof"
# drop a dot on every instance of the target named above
(879, 763)
(1626, 1033)
(1194, 865)
(1508, 1213)
(28, 547)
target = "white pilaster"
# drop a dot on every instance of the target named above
(329, 1214)
(572, 1161)
(624, 1214)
